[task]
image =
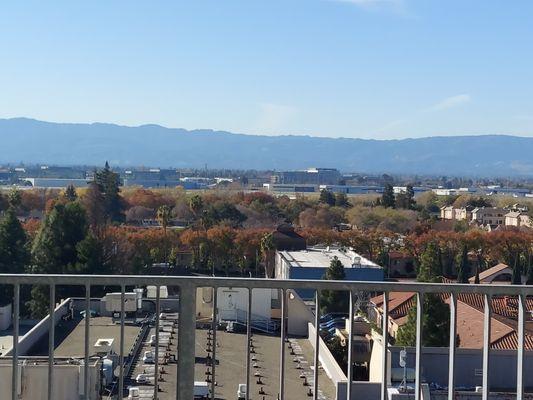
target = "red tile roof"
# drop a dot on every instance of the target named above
(470, 311)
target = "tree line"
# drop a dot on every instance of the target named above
(89, 231)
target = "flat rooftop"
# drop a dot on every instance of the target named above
(168, 378)
(231, 367)
(70, 337)
(322, 256)
(6, 337)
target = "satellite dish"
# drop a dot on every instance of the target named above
(403, 357)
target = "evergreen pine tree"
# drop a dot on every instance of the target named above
(341, 200)
(90, 256)
(70, 193)
(435, 315)
(476, 280)
(334, 300)
(108, 183)
(326, 197)
(517, 270)
(410, 195)
(387, 198)
(530, 273)
(55, 251)
(14, 253)
(430, 269)
(463, 266)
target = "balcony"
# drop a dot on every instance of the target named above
(182, 347)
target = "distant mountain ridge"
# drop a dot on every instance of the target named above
(32, 141)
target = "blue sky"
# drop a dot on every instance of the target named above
(353, 68)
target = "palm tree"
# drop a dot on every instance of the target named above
(196, 204)
(267, 246)
(164, 214)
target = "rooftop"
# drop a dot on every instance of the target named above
(70, 342)
(470, 308)
(490, 272)
(231, 366)
(6, 337)
(322, 256)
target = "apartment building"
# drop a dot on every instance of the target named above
(518, 219)
(489, 215)
(456, 214)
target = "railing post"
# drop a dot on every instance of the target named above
(520, 352)
(51, 341)
(248, 337)
(156, 349)
(419, 333)
(350, 349)
(282, 349)
(15, 354)
(486, 345)
(453, 334)
(317, 344)
(121, 350)
(214, 348)
(87, 339)
(385, 345)
(186, 342)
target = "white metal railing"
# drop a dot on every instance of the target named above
(187, 323)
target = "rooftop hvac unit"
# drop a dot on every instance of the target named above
(139, 293)
(104, 346)
(151, 292)
(113, 300)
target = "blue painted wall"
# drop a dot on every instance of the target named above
(316, 273)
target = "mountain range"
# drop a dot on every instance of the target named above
(31, 141)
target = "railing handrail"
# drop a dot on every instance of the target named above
(208, 281)
(188, 286)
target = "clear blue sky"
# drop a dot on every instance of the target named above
(353, 68)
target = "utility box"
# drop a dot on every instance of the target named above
(112, 302)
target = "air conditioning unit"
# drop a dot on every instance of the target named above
(104, 346)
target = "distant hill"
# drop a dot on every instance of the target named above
(32, 141)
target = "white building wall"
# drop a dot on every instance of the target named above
(281, 266)
(34, 381)
(231, 301)
(5, 317)
(326, 359)
(298, 315)
(375, 368)
(27, 341)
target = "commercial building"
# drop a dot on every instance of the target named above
(56, 183)
(314, 176)
(354, 190)
(313, 263)
(416, 189)
(156, 178)
(290, 188)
